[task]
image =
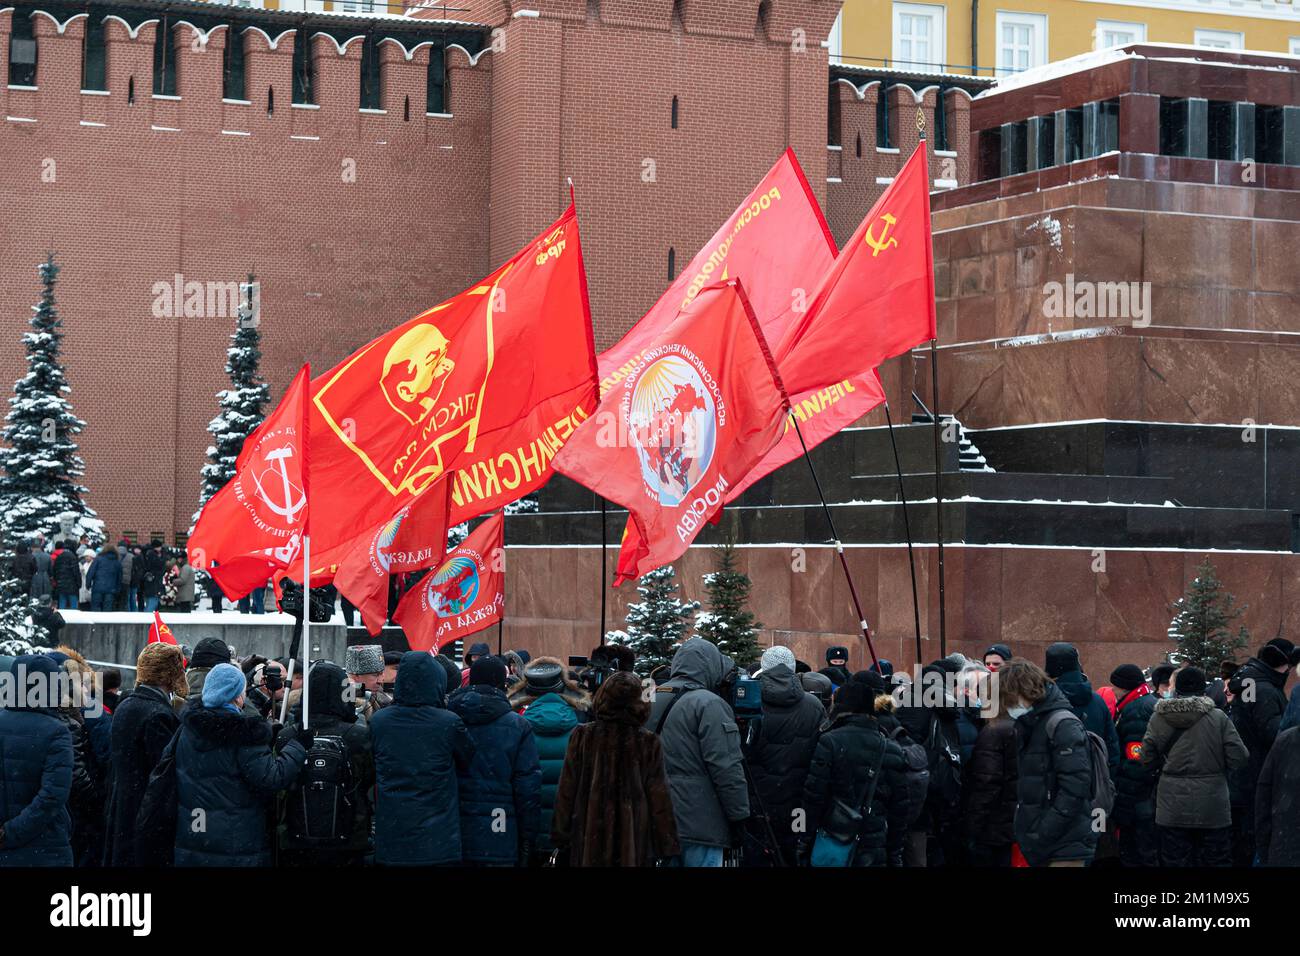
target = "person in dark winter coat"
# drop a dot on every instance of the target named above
(1196, 747)
(227, 775)
(419, 746)
(208, 653)
(86, 800)
(554, 705)
(1258, 704)
(1135, 808)
(1063, 667)
(989, 783)
(504, 774)
(143, 724)
(780, 749)
(702, 756)
(104, 579)
(837, 661)
(929, 714)
(66, 576)
(843, 762)
(333, 713)
(36, 766)
(612, 806)
(1054, 822)
(917, 772)
(42, 578)
(1277, 803)
(152, 569)
(24, 566)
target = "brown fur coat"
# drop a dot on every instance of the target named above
(613, 807)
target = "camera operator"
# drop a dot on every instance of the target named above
(365, 665)
(701, 746)
(590, 672)
(265, 687)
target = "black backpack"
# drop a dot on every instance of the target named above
(321, 807)
(945, 772)
(916, 777)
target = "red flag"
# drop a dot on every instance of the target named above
(482, 389)
(877, 301)
(415, 538)
(253, 527)
(776, 242)
(694, 415)
(160, 633)
(465, 594)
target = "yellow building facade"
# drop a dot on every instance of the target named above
(1014, 35)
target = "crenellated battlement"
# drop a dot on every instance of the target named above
(228, 73)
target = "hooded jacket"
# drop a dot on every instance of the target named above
(227, 776)
(701, 745)
(333, 715)
(989, 785)
(612, 805)
(504, 774)
(1092, 710)
(780, 749)
(35, 780)
(1257, 720)
(1054, 785)
(552, 718)
(1193, 787)
(418, 747)
(1277, 803)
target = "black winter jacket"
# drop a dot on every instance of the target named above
(1092, 710)
(227, 777)
(1257, 720)
(1135, 782)
(1054, 786)
(36, 758)
(841, 768)
(989, 785)
(1277, 803)
(780, 750)
(143, 723)
(67, 573)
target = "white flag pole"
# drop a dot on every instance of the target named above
(306, 618)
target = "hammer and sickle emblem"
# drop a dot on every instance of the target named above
(885, 241)
(290, 507)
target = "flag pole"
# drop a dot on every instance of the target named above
(907, 531)
(306, 621)
(604, 586)
(934, 412)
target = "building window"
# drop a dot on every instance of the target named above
(835, 41)
(22, 50)
(674, 112)
(357, 6)
(672, 263)
(437, 89)
(304, 79)
(92, 56)
(232, 64)
(164, 60)
(1219, 39)
(1022, 41)
(372, 94)
(919, 34)
(1119, 33)
(1295, 46)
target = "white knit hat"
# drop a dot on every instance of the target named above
(777, 655)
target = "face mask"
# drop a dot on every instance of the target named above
(1167, 694)
(1018, 712)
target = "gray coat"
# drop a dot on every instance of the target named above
(185, 584)
(1193, 787)
(701, 745)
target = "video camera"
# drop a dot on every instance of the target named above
(592, 671)
(744, 694)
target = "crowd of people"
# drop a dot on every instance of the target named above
(504, 760)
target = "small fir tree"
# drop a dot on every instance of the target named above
(1202, 624)
(656, 624)
(728, 622)
(39, 465)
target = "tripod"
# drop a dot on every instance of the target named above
(771, 846)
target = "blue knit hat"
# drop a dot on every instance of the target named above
(222, 685)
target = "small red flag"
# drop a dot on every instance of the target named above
(465, 594)
(877, 301)
(253, 527)
(160, 633)
(694, 415)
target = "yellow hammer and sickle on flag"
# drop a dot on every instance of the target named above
(885, 241)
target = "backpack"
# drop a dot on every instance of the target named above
(916, 776)
(945, 772)
(154, 839)
(1103, 788)
(320, 809)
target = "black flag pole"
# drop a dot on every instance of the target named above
(604, 587)
(907, 531)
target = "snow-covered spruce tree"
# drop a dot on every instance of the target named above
(15, 614)
(39, 463)
(728, 622)
(241, 406)
(1202, 623)
(657, 624)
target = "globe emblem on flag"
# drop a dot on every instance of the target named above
(453, 588)
(379, 553)
(673, 423)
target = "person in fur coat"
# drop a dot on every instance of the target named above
(612, 806)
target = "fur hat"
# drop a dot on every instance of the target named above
(623, 658)
(777, 655)
(837, 654)
(621, 699)
(1190, 682)
(364, 659)
(1127, 677)
(1061, 658)
(1278, 652)
(855, 697)
(161, 665)
(544, 676)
